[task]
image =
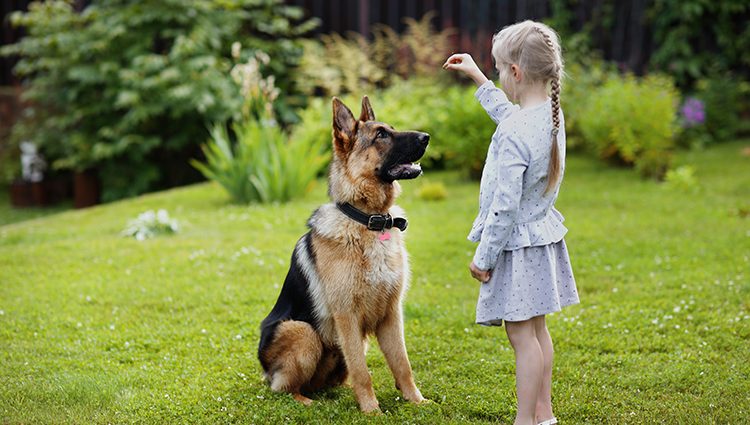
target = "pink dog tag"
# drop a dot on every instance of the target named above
(385, 236)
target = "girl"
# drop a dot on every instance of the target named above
(522, 260)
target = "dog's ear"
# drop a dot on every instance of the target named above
(343, 126)
(367, 113)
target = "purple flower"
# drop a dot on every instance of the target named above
(693, 112)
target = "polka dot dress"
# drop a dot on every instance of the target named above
(526, 283)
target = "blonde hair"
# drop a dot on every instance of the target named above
(535, 48)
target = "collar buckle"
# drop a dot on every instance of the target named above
(379, 222)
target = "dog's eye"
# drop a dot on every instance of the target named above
(382, 134)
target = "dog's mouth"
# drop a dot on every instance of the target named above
(401, 163)
(409, 170)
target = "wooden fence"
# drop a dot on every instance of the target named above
(627, 41)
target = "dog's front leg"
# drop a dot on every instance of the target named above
(351, 341)
(390, 335)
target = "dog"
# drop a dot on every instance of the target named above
(349, 272)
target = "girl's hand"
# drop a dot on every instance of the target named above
(478, 274)
(463, 62)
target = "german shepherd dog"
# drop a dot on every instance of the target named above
(349, 273)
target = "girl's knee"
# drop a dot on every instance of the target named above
(520, 332)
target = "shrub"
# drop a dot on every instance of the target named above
(432, 191)
(263, 166)
(128, 88)
(681, 178)
(337, 65)
(722, 96)
(583, 77)
(633, 121)
(463, 129)
(688, 36)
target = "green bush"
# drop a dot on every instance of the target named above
(429, 191)
(582, 78)
(681, 178)
(339, 65)
(722, 96)
(263, 166)
(689, 34)
(128, 87)
(633, 121)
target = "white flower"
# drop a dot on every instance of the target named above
(236, 47)
(150, 224)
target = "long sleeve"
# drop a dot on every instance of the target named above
(503, 212)
(494, 101)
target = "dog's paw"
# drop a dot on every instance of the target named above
(370, 407)
(374, 412)
(302, 399)
(415, 397)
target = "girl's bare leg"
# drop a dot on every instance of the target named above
(544, 397)
(529, 368)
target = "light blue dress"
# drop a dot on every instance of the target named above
(520, 233)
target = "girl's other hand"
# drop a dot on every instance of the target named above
(479, 274)
(463, 62)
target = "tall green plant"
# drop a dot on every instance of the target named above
(263, 165)
(128, 86)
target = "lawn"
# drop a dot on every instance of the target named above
(98, 328)
(8, 214)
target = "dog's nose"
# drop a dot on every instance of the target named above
(424, 139)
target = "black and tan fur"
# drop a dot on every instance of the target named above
(345, 283)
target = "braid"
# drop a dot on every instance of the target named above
(553, 171)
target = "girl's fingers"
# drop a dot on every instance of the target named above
(457, 58)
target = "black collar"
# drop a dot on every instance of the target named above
(378, 222)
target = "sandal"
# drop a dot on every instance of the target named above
(552, 421)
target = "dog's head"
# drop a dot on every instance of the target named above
(372, 149)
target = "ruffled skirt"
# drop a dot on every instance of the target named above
(526, 283)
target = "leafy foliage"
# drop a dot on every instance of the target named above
(582, 79)
(681, 178)
(688, 34)
(337, 65)
(633, 121)
(128, 87)
(432, 191)
(723, 96)
(263, 166)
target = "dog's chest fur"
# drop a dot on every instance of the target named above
(354, 270)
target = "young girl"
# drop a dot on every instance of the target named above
(522, 260)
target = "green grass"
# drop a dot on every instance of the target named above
(98, 328)
(9, 214)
